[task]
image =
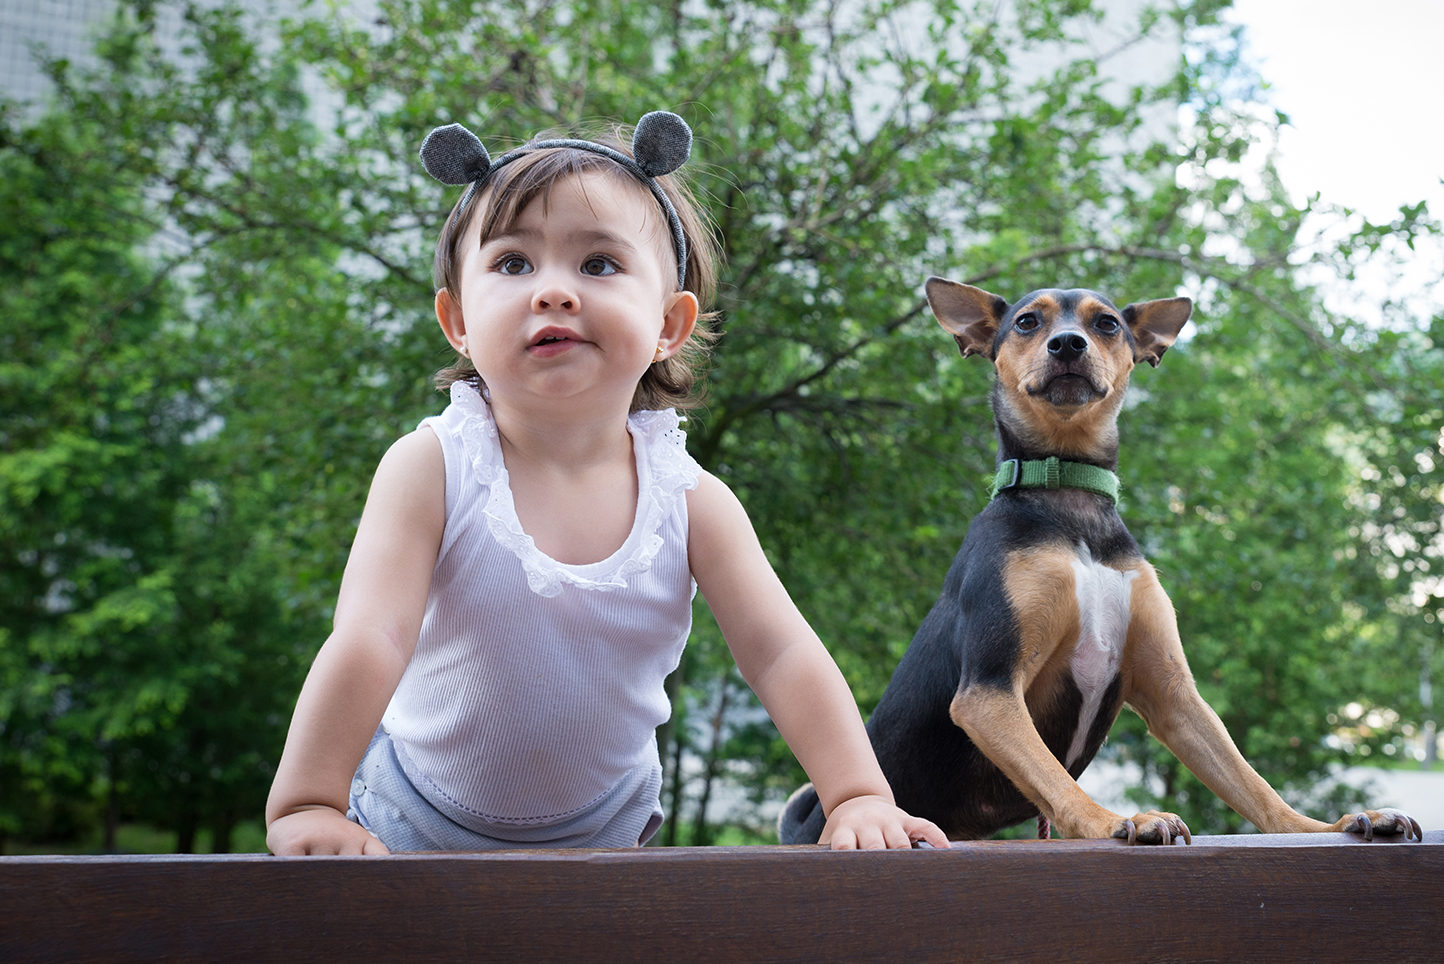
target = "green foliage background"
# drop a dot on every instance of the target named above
(214, 318)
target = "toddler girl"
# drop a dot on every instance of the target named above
(522, 578)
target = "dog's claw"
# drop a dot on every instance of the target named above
(1154, 827)
(1387, 821)
(1361, 824)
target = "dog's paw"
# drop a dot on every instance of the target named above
(1153, 827)
(1388, 821)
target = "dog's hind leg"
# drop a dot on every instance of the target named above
(801, 820)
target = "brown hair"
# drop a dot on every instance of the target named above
(669, 383)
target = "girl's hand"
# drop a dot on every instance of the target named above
(321, 830)
(870, 822)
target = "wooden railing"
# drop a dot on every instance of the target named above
(1314, 898)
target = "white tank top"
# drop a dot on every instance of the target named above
(537, 685)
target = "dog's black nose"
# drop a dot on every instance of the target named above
(1067, 346)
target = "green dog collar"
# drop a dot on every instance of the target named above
(1053, 473)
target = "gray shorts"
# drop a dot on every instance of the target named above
(385, 801)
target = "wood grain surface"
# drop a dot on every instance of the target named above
(1305, 897)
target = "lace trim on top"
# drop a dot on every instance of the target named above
(667, 473)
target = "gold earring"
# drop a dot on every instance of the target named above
(660, 351)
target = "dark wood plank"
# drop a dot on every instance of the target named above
(1317, 898)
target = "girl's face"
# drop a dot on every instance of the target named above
(572, 302)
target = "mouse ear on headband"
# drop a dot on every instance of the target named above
(454, 155)
(662, 143)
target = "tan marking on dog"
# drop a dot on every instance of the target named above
(1090, 308)
(1087, 431)
(1038, 582)
(1159, 686)
(1088, 434)
(1044, 304)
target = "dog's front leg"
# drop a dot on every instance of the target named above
(1160, 687)
(997, 721)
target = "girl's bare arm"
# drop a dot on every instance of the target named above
(378, 618)
(795, 677)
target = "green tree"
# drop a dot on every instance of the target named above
(92, 463)
(136, 604)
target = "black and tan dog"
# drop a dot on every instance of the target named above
(1050, 618)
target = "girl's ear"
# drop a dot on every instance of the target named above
(453, 324)
(679, 317)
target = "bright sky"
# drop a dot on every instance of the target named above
(1364, 89)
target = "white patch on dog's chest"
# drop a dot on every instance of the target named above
(1104, 598)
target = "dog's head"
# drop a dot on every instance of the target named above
(1063, 357)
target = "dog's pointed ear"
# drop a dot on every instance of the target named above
(971, 315)
(1155, 326)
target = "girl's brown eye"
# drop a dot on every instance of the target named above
(598, 267)
(513, 264)
(1026, 322)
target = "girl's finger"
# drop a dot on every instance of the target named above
(895, 837)
(920, 829)
(871, 838)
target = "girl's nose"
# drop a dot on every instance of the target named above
(554, 294)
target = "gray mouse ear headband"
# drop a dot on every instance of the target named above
(661, 144)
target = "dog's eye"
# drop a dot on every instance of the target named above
(1106, 324)
(1026, 323)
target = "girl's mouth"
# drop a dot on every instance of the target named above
(551, 342)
